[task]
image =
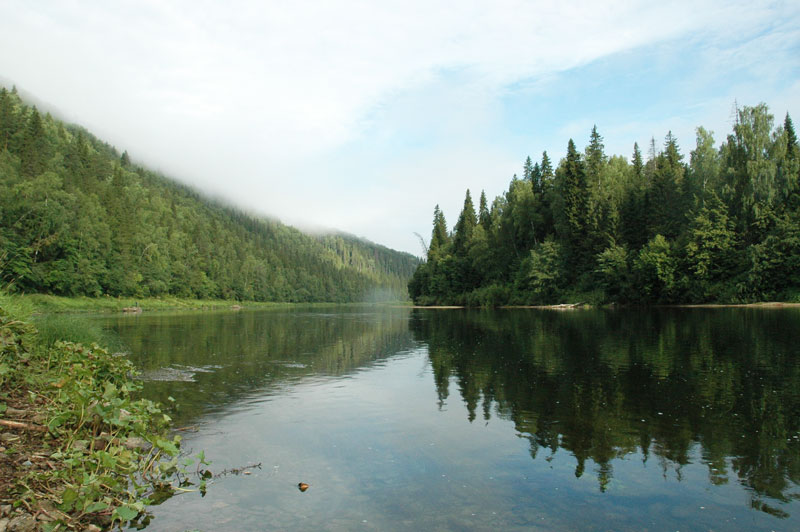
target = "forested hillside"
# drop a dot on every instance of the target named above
(78, 218)
(721, 224)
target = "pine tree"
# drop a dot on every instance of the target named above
(666, 202)
(595, 157)
(8, 118)
(536, 179)
(792, 148)
(527, 169)
(576, 202)
(33, 153)
(638, 165)
(439, 235)
(547, 169)
(465, 225)
(483, 212)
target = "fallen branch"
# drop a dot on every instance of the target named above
(23, 426)
(238, 470)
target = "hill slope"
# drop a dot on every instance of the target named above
(78, 218)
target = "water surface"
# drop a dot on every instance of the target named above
(404, 419)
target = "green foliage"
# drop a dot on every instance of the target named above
(542, 271)
(615, 274)
(655, 270)
(711, 250)
(78, 219)
(110, 451)
(723, 228)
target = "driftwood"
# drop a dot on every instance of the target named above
(21, 425)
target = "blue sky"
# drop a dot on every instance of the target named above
(362, 116)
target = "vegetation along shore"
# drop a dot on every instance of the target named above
(78, 449)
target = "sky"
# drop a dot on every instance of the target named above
(361, 116)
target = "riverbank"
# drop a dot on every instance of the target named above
(48, 304)
(78, 449)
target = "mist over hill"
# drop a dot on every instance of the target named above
(79, 218)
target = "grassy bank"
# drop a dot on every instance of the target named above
(78, 448)
(47, 304)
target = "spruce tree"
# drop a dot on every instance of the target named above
(439, 235)
(595, 157)
(638, 165)
(527, 169)
(465, 225)
(33, 151)
(547, 169)
(576, 201)
(792, 148)
(483, 212)
(8, 118)
(536, 179)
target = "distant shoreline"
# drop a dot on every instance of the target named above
(586, 306)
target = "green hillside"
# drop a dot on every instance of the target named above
(78, 218)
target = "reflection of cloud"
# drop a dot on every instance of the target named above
(242, 98)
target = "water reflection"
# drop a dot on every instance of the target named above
(207, 362)
(661, 384)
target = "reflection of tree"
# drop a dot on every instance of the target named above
(248, 351)
(604, 384)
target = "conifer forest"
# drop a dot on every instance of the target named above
(719, 224)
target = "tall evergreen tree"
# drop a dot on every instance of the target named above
(638, 164)
(665, 200)
(575, 194)
(527, 169)
(8, 118)
(536, 179)
(483, 212)
(547, 169)
(595, 157)
(439, 237)
(34, 151)
(465, 225)
(792, 147)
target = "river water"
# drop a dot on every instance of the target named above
(412, 419)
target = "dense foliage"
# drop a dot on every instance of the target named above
(87, 449)
(78, 218)
(723, 226)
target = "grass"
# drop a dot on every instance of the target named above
(73, 328)
(27, 304)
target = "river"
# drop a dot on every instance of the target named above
(414, 419)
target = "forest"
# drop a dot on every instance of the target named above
(719, 225)
(79, 218)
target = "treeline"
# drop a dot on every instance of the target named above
(78, 218)
(721, 225)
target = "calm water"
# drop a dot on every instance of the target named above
(405, 419)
